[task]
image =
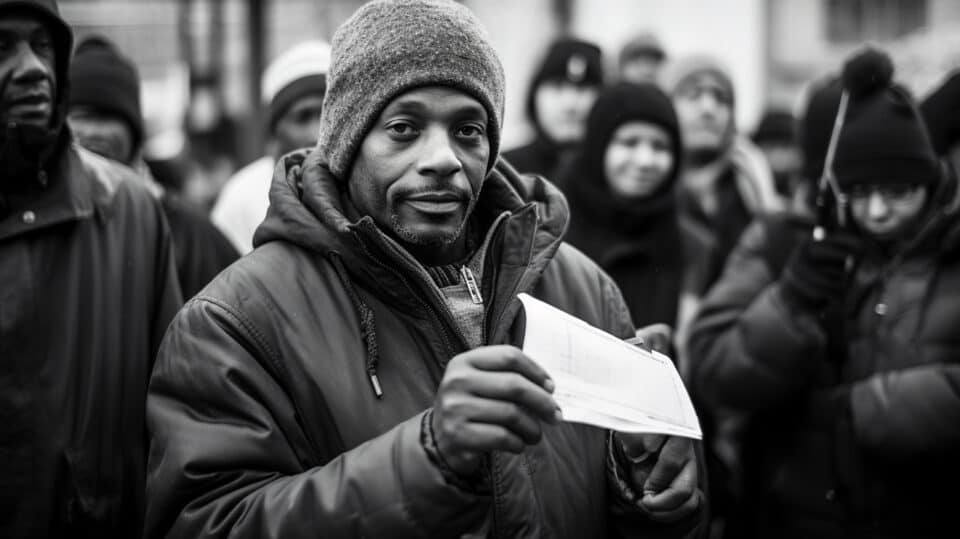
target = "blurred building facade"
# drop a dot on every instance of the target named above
(201, 59)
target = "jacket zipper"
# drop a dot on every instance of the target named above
(471, 283)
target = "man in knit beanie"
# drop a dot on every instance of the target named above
(560, 96)
(358, 374)
(105, 101)
(834, 338)
(292, 89)
(776, 137)
(105, 118)
(642, 58)
(88, 287)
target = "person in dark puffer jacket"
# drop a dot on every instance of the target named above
(357, 374)
(844, 359)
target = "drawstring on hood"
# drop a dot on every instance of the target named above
(368, 328)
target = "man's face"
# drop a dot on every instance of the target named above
(885, 211)
(562, 109)
(638, 159)
(705, 110)
(27, 76)
(641, 69)
(299, 126)
(101, 132)
(784, 159)
(420, 168)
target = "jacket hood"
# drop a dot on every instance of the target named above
(308, 208)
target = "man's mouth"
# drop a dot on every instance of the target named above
(29, 103)
(440, 202)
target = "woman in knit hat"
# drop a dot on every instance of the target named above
(842, 355)
(358, 374)
(623, 203)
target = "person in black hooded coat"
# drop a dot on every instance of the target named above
(624, 209)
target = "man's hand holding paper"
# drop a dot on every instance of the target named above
(614, 384)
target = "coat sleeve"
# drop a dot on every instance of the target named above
(908, 413)
(748, 348)
(228, 458)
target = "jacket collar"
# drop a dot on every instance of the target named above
(307, 207)
(69, 195)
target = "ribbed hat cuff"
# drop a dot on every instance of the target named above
(311, 84)
(887, 170)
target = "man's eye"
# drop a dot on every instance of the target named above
(401, 130)
(470, 131)
(42, 44)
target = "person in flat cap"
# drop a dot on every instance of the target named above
(834, 336)
(358, 374)
(292, 89)
(105, 117)
(776, 136)
(559, 99)
(641, 59)
(88, 288)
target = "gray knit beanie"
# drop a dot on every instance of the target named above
(389, 47)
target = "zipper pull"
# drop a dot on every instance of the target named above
(471, 285)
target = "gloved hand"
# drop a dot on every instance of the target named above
(819, 270)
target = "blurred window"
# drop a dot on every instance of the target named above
(864, 20)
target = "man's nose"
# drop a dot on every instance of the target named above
(708, 102)
(877, 206)
(438, 156)
(29, 66)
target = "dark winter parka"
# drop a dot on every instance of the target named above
(852, 414)
(264, 422)
(87, 288)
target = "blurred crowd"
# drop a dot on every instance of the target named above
(800, 274)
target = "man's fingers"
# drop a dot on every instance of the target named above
(514, 418)
(679, 493)
(690, 506)
(510, 358)
(639, 444)
(508, 387)
(676, 453)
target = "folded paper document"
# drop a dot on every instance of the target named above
(604, 381)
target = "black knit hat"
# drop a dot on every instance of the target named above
(816, 125)
(621, 103)
(776, 126)
(884, 138)
(568, 60)
(388, 47)
(941, 110)
(104, 79)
